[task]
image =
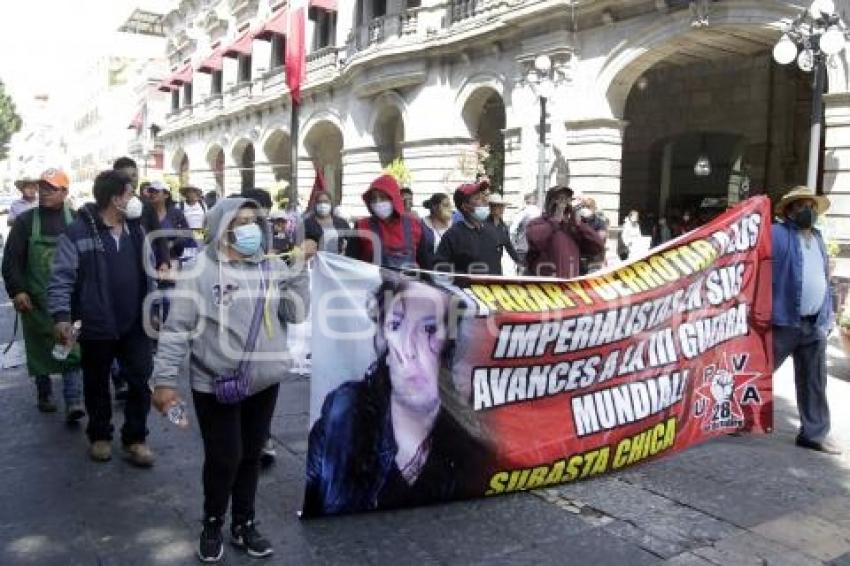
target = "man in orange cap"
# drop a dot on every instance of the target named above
(27, 266)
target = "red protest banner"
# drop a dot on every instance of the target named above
(470, 386)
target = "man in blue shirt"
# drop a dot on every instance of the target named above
(802, 310)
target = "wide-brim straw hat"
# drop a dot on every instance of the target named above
(801, 193)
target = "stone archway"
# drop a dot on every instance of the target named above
(245, 157)
(215, 162)
(388, 133)
(277, 151)
(324, 143)
(485, 117)
(183, 170)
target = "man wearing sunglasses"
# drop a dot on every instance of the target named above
(27, 266)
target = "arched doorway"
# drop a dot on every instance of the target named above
(323, 144)
(712, 96)
(215, 160)
(278, 154)
(388, 134)
(180, 164)
(243, 154)
(484, 115)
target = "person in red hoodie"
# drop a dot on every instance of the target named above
(558, 239)
(400, 233)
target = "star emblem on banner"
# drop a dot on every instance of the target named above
(723, 391)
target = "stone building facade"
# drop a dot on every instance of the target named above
(638, 89)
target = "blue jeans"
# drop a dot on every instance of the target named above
(72, 386)
(807, 344)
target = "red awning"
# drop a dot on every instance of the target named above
(242, 45)
(328, 5)
(183, 76)
(213, 62)
(165, 86)
(276, 25)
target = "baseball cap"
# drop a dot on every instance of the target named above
(56, 178)
(466, 190)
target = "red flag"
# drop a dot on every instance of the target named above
(296, 56)
(318, 188)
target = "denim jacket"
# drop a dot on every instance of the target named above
(788, 277)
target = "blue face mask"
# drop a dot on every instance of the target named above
(248, 239)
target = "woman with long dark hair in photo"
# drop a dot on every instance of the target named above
(402, 436)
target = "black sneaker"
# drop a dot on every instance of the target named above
(246, 537)
(211, 545)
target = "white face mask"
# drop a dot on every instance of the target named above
(133, 209)
(382, 209)
(481, 213)
(323, 208)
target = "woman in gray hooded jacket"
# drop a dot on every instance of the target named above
(229, 314)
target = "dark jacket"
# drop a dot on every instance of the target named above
(505, 239)
(175, 220)
(465, 248)
(788, 277)
(351, 455)
(554, 248)
(79, 286)
(313, 230)
(391, 233)
(16, 252)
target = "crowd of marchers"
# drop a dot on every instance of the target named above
(90, 284)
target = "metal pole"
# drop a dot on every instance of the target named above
(817, 124)
(293, 157)
(541, 154)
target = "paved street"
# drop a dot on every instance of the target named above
(738, 500)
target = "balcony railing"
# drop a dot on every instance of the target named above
(377, 33)
(237, 93)
(410, 21)
(322, 62)
(213, 102)
(460, 10)
(273, 79)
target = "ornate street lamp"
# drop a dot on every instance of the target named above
(543, 85)
(812, 40)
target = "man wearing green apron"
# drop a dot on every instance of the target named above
(27, 265)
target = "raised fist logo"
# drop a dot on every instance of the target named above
(722, 386)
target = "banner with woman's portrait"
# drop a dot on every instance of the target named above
(429, 387)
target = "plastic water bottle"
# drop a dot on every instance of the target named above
(176, 413)
(61, 351)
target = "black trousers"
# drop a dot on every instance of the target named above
(233, 436)
(133, 352)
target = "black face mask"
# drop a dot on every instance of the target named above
(805, 218)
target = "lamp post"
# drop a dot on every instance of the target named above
(814, 37)
(543, 85)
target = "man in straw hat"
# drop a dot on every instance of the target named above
(802, 309)
(28, 185)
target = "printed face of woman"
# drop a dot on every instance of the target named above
(415, 333)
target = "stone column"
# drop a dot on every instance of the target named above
(438, 165)
(263, 174)
(360, 166)
(593, 152)
(836, 173)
